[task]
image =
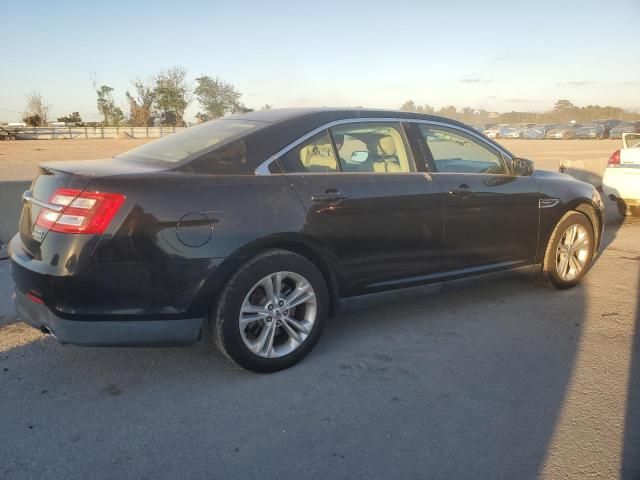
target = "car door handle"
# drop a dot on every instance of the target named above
(462, 191)
(330, 195)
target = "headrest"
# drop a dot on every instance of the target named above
(387, 146)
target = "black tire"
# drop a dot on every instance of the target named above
(550, 274)
(226, 314)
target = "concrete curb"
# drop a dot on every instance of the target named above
(10, 208)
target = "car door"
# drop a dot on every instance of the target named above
(491, 217)
(380, 217)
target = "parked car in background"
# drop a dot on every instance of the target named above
(250, 230)
(538, 132)
(565, 132)
(482, 126)
(494, 132)
(621, 180)
(609, 125)
(592, 130)
(515, 131)
(624, 127)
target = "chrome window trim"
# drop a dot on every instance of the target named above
(263, 168)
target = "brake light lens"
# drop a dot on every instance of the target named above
(83, 212)
(614, 159)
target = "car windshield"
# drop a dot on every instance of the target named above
(179, 146)
(592, 124)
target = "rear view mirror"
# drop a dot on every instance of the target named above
(522, 167)
(359, 156)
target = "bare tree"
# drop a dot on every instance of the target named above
(141, 105)
(37, 112)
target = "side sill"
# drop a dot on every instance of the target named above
(378, 298)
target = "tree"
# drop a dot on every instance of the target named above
(217, 98)
(449, 112)
(427, 109)
(266, 106)
(37, 111)
(113, 115)
(172, 95)
(141, 106)
(409, 106)
(73, 117)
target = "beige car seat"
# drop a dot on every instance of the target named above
(318, 158)
(388, 161)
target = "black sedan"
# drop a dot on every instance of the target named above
(250, 230)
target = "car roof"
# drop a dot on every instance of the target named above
(321, 113)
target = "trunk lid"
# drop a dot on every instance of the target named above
(74, 175)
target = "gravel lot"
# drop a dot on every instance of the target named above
(501, 380)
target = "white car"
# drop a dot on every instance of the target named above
(494, 132)
(621, 181)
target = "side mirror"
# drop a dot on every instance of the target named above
(359, 156)
(522, 167)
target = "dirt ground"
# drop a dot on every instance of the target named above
(19, 159)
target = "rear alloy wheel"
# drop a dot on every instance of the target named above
(570, 251)
(271, 312)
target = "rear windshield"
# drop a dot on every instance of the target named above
(199, 139)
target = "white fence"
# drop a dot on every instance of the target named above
(49, 133)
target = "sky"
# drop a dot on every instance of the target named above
(500, 56)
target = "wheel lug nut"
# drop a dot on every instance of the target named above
(269, 319)
(286, 312)
(270, 307)
(281, 303)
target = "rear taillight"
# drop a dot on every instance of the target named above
(83, 212)
(614, 159)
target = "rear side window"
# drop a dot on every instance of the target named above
(200, 139)
(457, 152)
(314, 156)
(372, 147)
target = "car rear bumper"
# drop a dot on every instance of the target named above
(622, 183)
(107, 332)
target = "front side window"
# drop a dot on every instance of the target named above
(373, 147)
(456, 152)
(314, 156)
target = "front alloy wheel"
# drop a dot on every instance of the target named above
(572, 252)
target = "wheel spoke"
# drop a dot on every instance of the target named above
(292, 333)
(297, 324)
(299, 296)
(574, 234)
(267, 284)
(580, 243)
(563, 264)
(251, 313)
(276, 278)
(577, 263)
(265, 340)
